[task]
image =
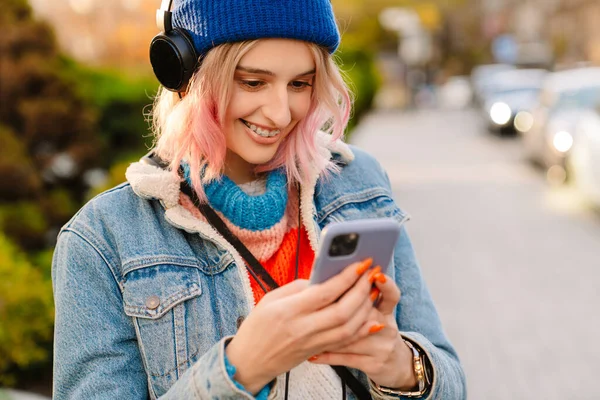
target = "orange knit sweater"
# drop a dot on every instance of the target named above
(281, 266)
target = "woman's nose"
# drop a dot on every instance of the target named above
(277, 109)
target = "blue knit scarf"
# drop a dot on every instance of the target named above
(254, 213)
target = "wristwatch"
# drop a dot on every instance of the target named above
(422, 372)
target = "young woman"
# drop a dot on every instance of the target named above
(152, 301)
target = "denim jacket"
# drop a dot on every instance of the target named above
(147, 295)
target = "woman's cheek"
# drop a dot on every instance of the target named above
(301, 106)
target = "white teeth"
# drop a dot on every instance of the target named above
(260, 131)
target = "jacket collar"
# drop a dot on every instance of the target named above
(151, 182)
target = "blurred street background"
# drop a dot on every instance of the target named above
(485, 113)
(511, 261)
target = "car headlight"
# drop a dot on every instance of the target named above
(523, 121)
(500, 113)
(563, 141)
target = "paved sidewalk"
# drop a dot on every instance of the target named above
(9, 394)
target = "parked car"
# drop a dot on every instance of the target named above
(482, 76)
(565, 97)
(513, 94)
(584, 161)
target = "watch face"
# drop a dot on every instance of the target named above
(418, 365)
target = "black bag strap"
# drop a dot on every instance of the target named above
(254, 267)
(252, 264)
(353, 383)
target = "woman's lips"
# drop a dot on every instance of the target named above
(260, 139)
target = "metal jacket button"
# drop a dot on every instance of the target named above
(153, 302)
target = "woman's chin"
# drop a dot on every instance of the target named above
(250, 156)
(259, 157)
(257, 153)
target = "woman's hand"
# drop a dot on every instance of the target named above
(378, 350)
(297, 321)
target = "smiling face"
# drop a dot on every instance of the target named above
(271, 93)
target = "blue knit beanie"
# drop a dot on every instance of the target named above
(214, 22)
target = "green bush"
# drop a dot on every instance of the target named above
(25, 223)
(26, 311)
(120, 99)
(362, 77)
(19, 176)
(362, 37)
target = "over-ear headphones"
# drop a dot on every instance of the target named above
(172, 52)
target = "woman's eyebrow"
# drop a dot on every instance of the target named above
(251, 70)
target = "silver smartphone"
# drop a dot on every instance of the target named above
(343, 243)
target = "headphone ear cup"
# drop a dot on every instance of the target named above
(173, 59)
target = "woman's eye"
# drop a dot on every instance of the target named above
(251, 84)
(299, 85)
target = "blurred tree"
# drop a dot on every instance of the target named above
(58, 121)
(47, 131)
(120, 99)
(47, 141)
(362, 37)
(362, 77)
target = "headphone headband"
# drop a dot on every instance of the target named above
(164, 15)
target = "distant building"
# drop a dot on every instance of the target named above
(566, 30)
(575, 31)
(105, 32)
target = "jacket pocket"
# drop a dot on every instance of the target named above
(150, 292)
(163, 301)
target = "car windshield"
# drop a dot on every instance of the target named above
(525, 92)
(576, 99)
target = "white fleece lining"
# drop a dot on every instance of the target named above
(334, 146)
(151, 182)
(307, 210)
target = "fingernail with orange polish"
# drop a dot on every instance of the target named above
(379, 277)
(374, 293)
(313, 358)
(363, 266)
(376, 328)
(373, 272)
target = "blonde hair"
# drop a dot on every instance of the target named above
(190, 128)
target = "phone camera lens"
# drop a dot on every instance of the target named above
(343, 245)
(351, 238)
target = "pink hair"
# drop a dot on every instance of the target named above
(190, 129)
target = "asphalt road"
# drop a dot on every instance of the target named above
(512, 262)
